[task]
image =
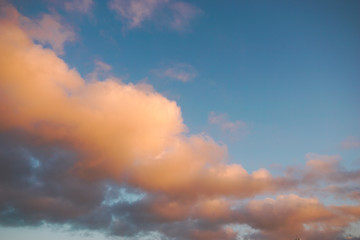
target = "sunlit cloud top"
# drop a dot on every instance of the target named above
(84, 148)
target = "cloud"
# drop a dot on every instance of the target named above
(135, 12)
(101, 71)
(174, 14)
(124, 132)
(329, 168)
(36, 183)
(116, 157)
(182, 13)
(290, 215)
(324, 175)
(180, 72)
(47, 30)
(82, 6)
(102, 66)
(225, 125)
(348, 192)
(232, 129)
(350, 143)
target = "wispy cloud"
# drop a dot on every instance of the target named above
(180, 72)
(136, 11)
(82, 6)
(47, 30)
(222, 121)
(174, 14)
(182, 14)
(350, 143)
(102, 66)
(100, 72)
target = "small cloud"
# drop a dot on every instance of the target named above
(82, 6)
(183, 13)
(101, 70)
(102, 66)
(174, 14)
(350, 143)
(180, 72)
(48, 30)
(135, 12)
(225, 124)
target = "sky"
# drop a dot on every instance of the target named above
(179, 120)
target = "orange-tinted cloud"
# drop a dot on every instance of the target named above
(125, 132)
(65, 140)
(48, 30)
(290, 215)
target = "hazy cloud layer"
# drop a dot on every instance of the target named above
(116, 157)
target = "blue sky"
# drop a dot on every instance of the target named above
(273, 82)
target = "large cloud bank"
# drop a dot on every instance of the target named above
(117, 157)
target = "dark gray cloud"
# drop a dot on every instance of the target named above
(38, 185)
